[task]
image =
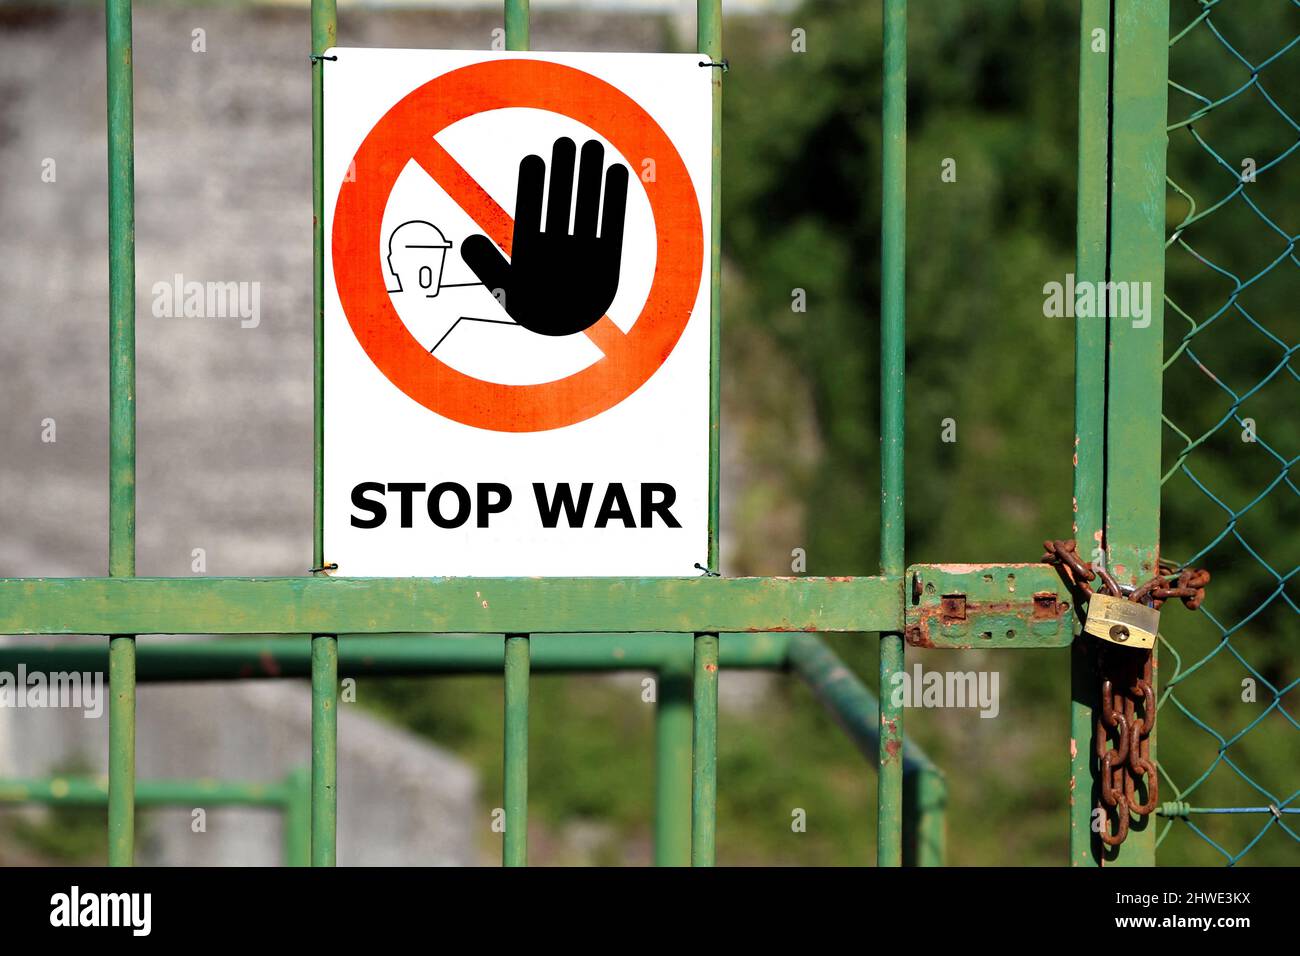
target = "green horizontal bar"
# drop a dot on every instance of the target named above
(445, 605)
(93, 791)
(390, 655)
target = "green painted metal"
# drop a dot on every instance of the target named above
(857, 710)
(324, 678)
(1083, 793)
(325, 605)
(121, 290)
(704, 731)
(893, 316)
(324, 34)
(570, 612)
(1139, 115)
(1089, 395)
(845, 697)
(704, 750)
(297, 818)
(324, 748)
(324, 724)
(925, 818)
(391, 655)
(121, 751)
(708, 36)
(515, 851)
(121, 416)
(516, 24)
(94, 791)
(673, 737)
(518, 650)
(987, 605)
(1140, 110)
(287, 796)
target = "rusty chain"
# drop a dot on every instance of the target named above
(1127, 683)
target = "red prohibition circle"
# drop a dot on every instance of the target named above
(405, 132)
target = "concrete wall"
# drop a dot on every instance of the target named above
(402, 802)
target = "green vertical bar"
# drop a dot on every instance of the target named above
(893, 261)
(516, 750)
(518, 652)
(121, 751)
(1089, 395)
(1139, 116)
(673, 767)
(121, 292)
(516, 24)
(324, 748)
(324, 31)
(709, 38)
(932, 809)
(324, 647)
(925, 834)
(704, 748)
(704, 731)
(296, 818)
(121, 405)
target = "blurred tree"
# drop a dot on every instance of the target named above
(991, 200)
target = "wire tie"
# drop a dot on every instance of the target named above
(721, 65)
(317, 57)
(700, 567)
(331, 566)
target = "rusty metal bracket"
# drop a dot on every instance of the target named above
(987, 605)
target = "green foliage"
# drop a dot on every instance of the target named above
(801, 193)
(982, 353)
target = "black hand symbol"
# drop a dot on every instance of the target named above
(557, 282)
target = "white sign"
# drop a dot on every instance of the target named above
(516, 313)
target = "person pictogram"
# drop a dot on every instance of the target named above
(418, 251)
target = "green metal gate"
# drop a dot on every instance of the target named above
(1117, 488)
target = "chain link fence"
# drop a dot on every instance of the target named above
(1229, 748)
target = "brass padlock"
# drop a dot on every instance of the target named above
(1122, 622)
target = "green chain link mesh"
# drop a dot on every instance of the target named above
(1229, 748)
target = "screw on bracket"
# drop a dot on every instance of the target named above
(952, 607)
